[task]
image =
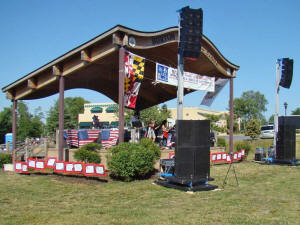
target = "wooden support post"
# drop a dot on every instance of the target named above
(61, 118)
(231, 116)
(14, 129)
(121, 93)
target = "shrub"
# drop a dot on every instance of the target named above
(4, 159)
(252, 129)
(221, 142)
(87, 153)
(239, 145)
(129, 161)
(92, 146)
(148, 143)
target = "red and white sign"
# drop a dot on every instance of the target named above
(59, 166)
(40, 164)
(235, 156)
(243, 152)
(50, 162)
(24, 168)
(89, 169)
(69, 167)
(224, 156)
(228, 159)
(77, 167)
(171, 155)
(31, 163)
(213, 157)
(99, 170)
(18, 166)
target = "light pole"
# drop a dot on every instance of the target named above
(285, 107)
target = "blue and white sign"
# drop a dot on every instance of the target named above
(168, 75)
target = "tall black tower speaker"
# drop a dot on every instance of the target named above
(286, 73)
(192, 153)
(286, 138)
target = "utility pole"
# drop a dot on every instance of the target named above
(278, 62)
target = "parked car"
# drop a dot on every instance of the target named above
(267, 131)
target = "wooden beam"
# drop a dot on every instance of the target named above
(49, 81)
(56, 71)
(31, 83)
(20, 96)
(116, 39)
(120, 39)
(9, 95)
(84, 56)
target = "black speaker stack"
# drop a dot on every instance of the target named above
(286, 72)
(286, 138)
(192, 157)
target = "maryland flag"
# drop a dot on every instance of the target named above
(134, 73)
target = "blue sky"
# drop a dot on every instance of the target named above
(251, 34)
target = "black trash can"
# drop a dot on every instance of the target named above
(260, 154)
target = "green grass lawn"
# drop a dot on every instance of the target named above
(268, 194)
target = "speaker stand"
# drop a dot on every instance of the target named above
(170, 183)
(236, 179)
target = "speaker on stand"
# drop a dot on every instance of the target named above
(192, 156)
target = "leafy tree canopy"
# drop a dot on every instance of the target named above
(5, 123)
(151, 113)
(271, 119)
(29, 125)
(296, 111)
(72, 107)
(250, 105)
(253, 128)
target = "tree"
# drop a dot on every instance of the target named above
(250, 106)
(72, 107)
(271, 119)
(28, 125)
(252, 128)
(151, 113)
(5, 123)
(213, 122)
(296, 111)
(155, 113)
(235, 124)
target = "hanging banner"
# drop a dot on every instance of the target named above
(168, 75)
(210, 96)
(134, 73)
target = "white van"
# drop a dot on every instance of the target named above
(267, 131)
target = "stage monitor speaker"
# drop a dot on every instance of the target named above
(286, 139)
(192, 153)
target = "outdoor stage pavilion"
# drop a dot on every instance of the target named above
(99, 65)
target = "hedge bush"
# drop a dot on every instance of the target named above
(129, 161)
(148, 143)
(92, 146)
(87, 153)
(221, 143)
(5, 159)
(239, 145)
